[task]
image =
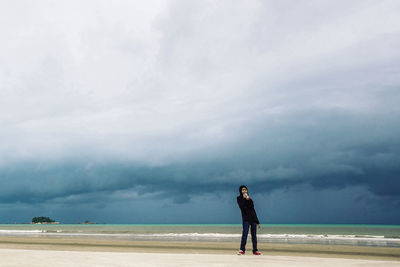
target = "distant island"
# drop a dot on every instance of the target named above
(43, 220)
(47, 220)
(88, 222)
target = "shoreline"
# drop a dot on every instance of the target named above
(183, 247)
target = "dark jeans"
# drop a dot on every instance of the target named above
(246, 226)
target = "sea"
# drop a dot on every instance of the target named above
(331, 234)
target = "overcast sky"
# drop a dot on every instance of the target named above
(157, 111)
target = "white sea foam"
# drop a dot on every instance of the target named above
(22, 231)
(369, 240)
(269, 236)
(196, 235)
(206, 235)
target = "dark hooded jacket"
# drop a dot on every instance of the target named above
(247, 208)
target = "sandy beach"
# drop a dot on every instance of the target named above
(17, 257)
(40, 251)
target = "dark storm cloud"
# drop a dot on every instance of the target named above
(333, 151)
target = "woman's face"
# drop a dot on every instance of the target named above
(244, 190)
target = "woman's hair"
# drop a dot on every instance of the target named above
(241, 187)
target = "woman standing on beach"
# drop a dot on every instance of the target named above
(249, 219)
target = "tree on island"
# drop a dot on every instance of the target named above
(42, 220)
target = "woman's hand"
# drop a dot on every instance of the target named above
(259, 226)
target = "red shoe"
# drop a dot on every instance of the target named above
(256, 253)
(241, 252)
